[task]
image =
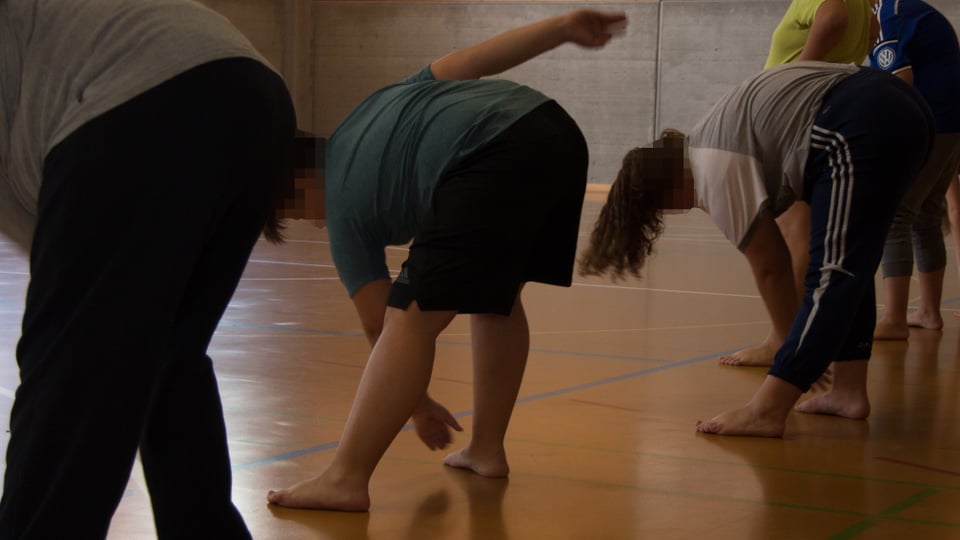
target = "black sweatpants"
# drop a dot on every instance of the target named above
(859, 165)
(147, 215)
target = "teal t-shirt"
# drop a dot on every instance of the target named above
(385, 160)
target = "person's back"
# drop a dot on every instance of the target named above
(142, 143)
(385, 160)
(766, 155)
(62, 63)
(391, 151)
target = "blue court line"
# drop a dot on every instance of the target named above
(623, 377)
(286, 456)
(534, 397)
(953, 300)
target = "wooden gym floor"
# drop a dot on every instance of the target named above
(602, 442)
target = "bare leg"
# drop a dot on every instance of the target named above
(953, 213)
(931, 292)
(500, 346)
(393, 385)
(764, 416)
(848, 398)
(795, 226)
(893, 323)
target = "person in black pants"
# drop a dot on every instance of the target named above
(803, 130)
(145, 215)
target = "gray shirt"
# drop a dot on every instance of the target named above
(750, 150)
(64, 62)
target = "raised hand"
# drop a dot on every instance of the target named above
(594, 28)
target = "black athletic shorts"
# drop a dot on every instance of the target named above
(507, 214)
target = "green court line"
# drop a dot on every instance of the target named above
(909, 501)
(868, 518)
(822, 474)
(747, 464)
(672, 457)
(887, 514)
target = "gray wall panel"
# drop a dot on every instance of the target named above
(610, 92)
(707, 48)
(334, 54)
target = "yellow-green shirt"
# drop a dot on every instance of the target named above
(791, 34)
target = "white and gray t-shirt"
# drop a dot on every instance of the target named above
(750, 150)
(65, 62)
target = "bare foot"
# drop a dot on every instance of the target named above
(744, 421)
(433, 422)
(319, 493)
(887, 330)
(760, 355)
(931, 320)
(493, 466)
(854, 405)
(825, 382)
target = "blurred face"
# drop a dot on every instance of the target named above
(308, 200)
(667, 170)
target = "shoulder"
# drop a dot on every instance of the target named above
(425, 74)
(805, 9)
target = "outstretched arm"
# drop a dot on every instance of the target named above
(514, 47)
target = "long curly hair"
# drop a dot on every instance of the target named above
(632, 218)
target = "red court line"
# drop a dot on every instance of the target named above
(917, 466)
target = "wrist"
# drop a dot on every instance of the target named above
(566, 24)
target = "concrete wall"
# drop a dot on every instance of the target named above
(677, 57)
